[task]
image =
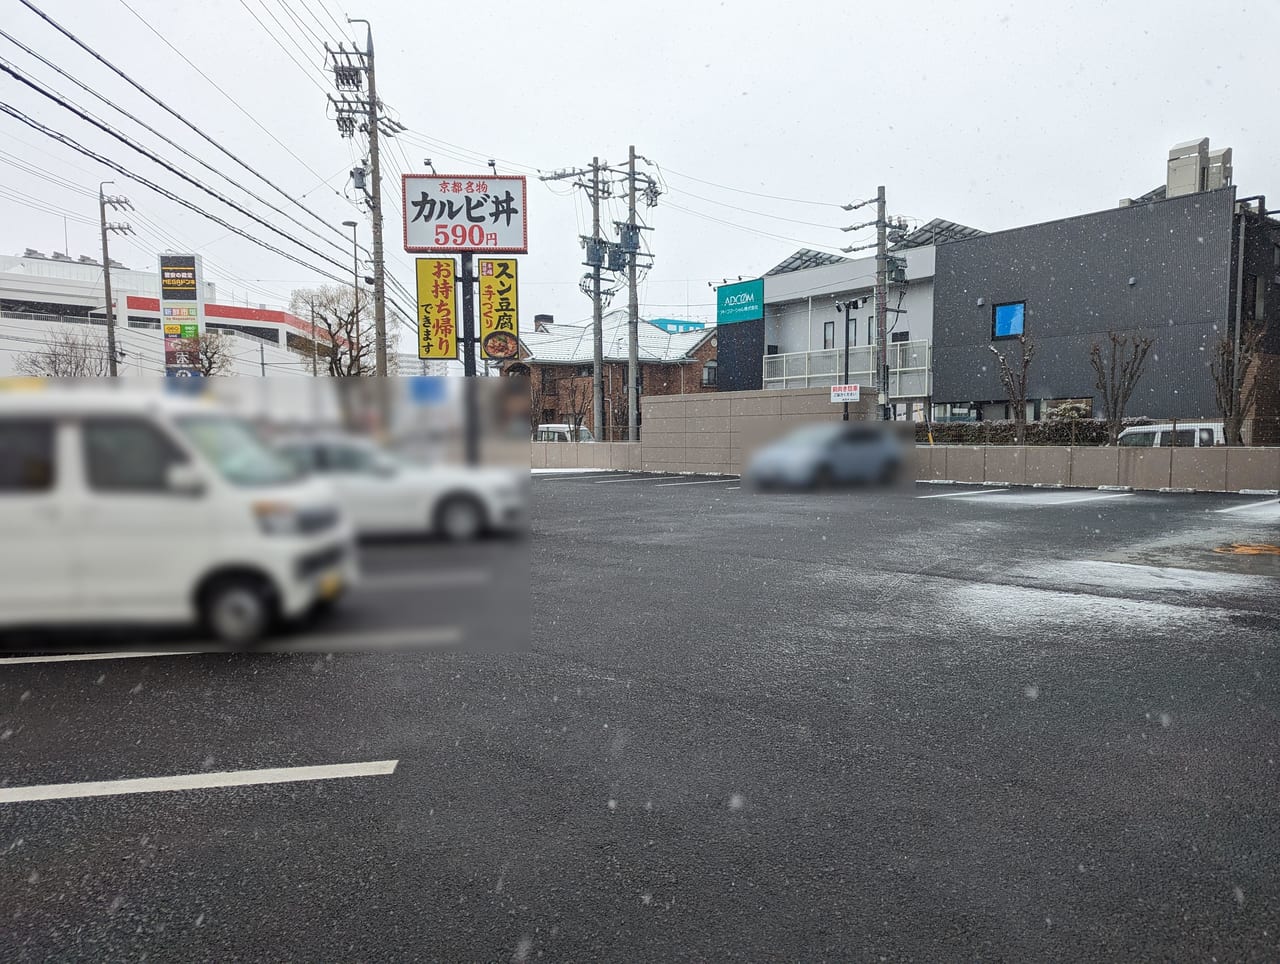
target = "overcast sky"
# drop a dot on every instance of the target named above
(989, 114)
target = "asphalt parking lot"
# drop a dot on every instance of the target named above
(941, 724)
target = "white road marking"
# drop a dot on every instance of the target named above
(1249, 505)
(81, 657)
(959, 495)
(424, 580)
(702, 482)
(577, 478)
(565, 471)
(196, 781)
(643, 478)
(732, 487)
(1092, 498)
(387, 639)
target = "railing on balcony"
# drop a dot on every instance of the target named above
(910, 369)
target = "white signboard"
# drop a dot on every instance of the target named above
(846, 393)
(456, 213)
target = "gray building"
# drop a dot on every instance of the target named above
(1169, 265)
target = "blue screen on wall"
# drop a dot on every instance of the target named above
(1008, 320)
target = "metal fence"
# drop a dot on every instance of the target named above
(910, 368)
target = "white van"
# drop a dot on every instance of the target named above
(562, 432)
(1169, 435)
(132, 508)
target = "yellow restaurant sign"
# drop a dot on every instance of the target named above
(437, 308)
(499, 308)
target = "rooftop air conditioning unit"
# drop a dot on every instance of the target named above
(1188, 168)
(1219, 172)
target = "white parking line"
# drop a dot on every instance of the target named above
(732, 487)
(85, 657)
(369, 641)
(585, 477)
(1249, 505)
(643, 478)
(196, 781)
(960, 495)
(700, 482)
(425, 580)
(1093, 498)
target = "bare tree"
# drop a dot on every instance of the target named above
(1013, 375)
(345, 336)
(67, 354)
(578, 398)
(1117, 375)
(213, 353)
(1235, 380)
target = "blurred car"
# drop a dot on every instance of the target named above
(387, 495)
(828, 454)
(562, 432)
(138, 508)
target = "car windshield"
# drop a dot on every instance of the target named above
(815, 435)
(236, 451)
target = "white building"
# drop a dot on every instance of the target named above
(805, 334)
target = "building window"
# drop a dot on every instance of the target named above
(828, 334)
(548, 379)
(1275, 257)
(1008, 320)
(900, 336)
(871, 330)
(1259, 298)
(586, 371)
(1251, 297)
(709, 371)
(771, 349)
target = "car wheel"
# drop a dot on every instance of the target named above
(460, 518)
(824, 478)
(237, 610)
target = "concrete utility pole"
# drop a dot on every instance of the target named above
(123, 204)
(375, 205)
(633, 316)
(597, 309)
(882, 294)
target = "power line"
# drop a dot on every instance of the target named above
(302, 25)
(7, 68)
(169, 141)
(276, 40)
(163, 192)
(736, 190)
(93, 53)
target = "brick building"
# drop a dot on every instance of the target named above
(558, 359)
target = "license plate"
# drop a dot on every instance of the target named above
(330, 585)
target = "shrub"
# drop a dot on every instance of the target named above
(1064, 430)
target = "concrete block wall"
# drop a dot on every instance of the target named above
(716, 433)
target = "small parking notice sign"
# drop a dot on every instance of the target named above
(846, 393)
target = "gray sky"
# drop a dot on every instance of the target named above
(990, 114)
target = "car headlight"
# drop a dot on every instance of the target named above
(278, 518)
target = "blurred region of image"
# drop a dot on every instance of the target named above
(830, 456)
(334, 514)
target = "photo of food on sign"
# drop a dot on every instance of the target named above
(501, 344)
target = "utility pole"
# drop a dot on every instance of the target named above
(262, 359)
(315, 348)
(375, 205)
(882, 294)
(632, 240)
(118, 203)
(597, 309)
(846, 310)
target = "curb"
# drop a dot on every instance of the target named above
(1116, 488)
(1179, 491)
(1260, 491)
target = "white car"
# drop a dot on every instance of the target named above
(1181, 435)
(562, 432)
(386, 495)
(133, 508)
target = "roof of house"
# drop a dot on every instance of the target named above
(569, 343)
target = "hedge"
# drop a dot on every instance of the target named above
(1084, 431)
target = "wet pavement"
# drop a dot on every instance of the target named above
(855, 726)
